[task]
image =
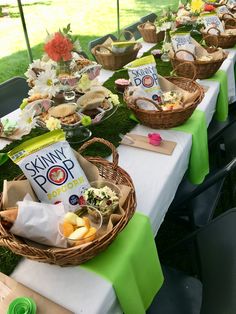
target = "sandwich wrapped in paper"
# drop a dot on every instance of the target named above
(35, 221)
(51, 167)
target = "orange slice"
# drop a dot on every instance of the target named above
(67, 228)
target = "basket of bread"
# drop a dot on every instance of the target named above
(159, 102)
(186, 52)
(64, 209)
(113, 55)
(150, 33)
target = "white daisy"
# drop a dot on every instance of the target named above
(27, 119)
(31, 74)
(47, 83)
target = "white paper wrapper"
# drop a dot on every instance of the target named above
(39, 222)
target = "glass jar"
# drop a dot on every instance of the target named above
(166, 46)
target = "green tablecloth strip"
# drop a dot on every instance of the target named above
(198, 161)
(131, 264)
(222, 104)
(3, 158)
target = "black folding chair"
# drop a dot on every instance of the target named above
(151, 17)
(196, 203)
(11, 94)
(215, 292)
(132, 31)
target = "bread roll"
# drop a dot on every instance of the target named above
(9, 215)
(62, 110)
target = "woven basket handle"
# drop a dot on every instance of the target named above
(228, 23)
(215, 38)
(190, 53)
(233, 8)
(101, 46)
(115, 155)
(218, 31)
(226, 16)
(191, 65)
(126, 31)
(149, 100)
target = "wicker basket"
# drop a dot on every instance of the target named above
(113, 61)
(204, 69)
(218, 40)
(160, 119)
(229, 20)
(150, 35)
(78, 255)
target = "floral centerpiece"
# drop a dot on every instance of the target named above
(60, 68)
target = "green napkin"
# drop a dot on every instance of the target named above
(131, 264)
(222, 104)
(198, 163)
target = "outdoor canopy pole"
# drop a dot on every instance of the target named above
(118, 17)
(25, 31)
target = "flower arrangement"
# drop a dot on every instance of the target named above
(164, 21)
(62, 66)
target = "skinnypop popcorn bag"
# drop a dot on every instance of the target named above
(143, 73)
(51, 167)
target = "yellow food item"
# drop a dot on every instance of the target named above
(88, 237)
(71, 218)
(80, 222)
(86, 222)
(67, 228)
(78, 233)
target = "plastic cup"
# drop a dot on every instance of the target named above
(95, 220)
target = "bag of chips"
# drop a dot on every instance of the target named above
(49, 164)
(143, 73)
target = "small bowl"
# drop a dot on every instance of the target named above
(95, 219)
(121, 84)
(100, 184)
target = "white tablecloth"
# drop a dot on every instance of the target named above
(156, 178)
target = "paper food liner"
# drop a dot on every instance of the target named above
(187, 97)
(201, 52)
(149, 25)
(15, 191)
(107, 43)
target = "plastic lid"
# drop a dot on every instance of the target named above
(22, 306)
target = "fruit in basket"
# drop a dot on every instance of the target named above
(67, 228)
(78, 230)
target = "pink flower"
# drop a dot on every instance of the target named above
(154, 139)
(59, 48)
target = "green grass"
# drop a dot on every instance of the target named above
(89, 21)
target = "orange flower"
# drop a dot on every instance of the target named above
(59, 48)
